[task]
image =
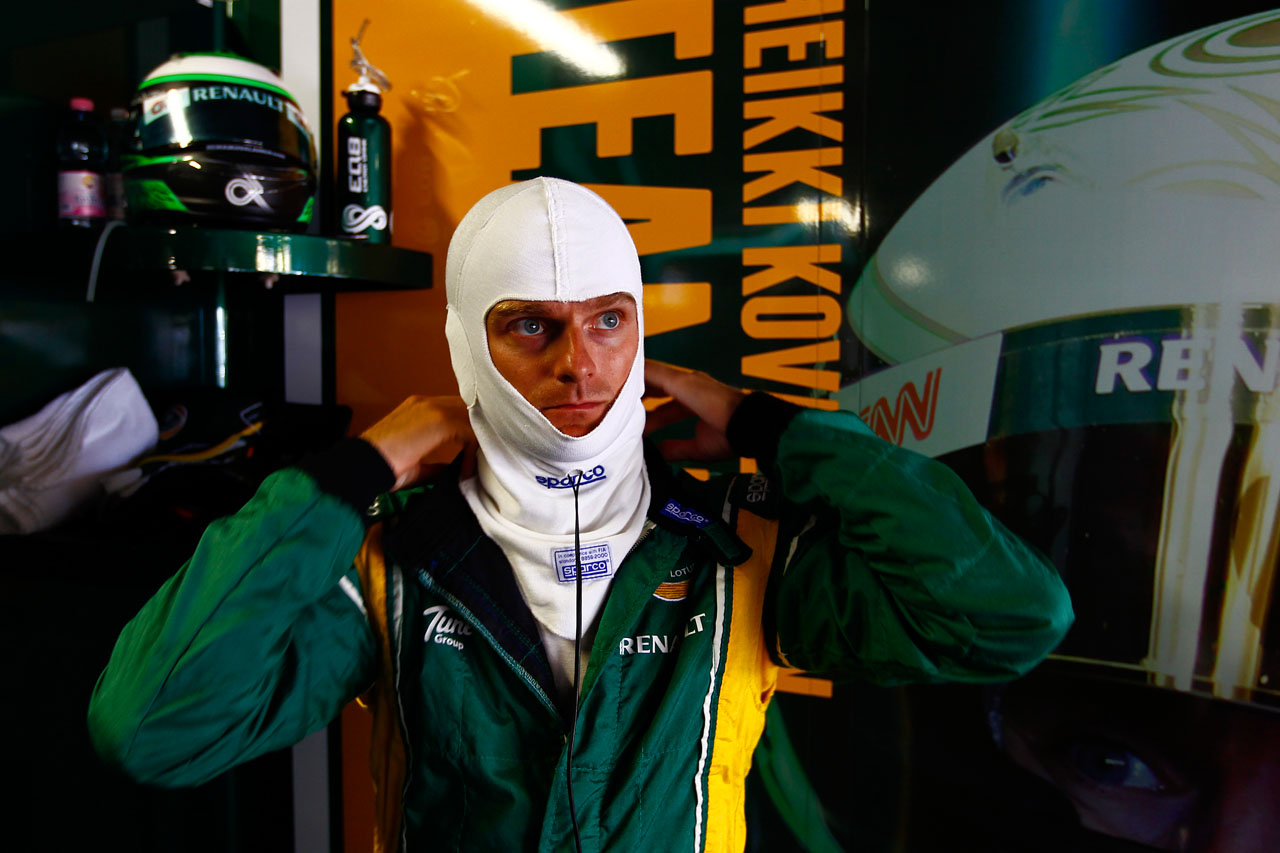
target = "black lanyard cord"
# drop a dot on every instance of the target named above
(577, 662)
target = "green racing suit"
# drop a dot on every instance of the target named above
(844, 555)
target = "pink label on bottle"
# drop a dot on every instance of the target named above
(80, 195)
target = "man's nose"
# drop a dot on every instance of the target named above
(574, 361)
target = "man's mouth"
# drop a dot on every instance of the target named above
(583, 405)
(576, 419)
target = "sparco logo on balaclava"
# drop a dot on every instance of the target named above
(595, 475)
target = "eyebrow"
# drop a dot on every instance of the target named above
(522, 308)
(515, 308)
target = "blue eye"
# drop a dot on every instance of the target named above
(529, 326)
(1111, 764)
(610, 320)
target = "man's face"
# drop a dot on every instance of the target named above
(568, 359)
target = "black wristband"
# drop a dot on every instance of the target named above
(757, 424)
(352, 470)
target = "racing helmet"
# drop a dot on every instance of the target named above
(218, 140)
(1081, 317)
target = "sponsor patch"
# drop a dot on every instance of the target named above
(677, 591)
(757, 489)
(297, 118)
(685, 515)
(595, 475)
(649, 644)
(597, 562)
(445, 628)
(245, 189)
(756, 493)
(158, 105)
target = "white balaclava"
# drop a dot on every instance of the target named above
(547, 240)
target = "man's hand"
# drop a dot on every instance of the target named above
(692, 394)
(412, 437)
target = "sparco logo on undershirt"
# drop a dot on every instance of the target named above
(595, 475)
(445, 627)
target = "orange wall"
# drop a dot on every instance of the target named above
(390, 345)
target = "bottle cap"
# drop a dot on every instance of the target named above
(364, 84)
(367, 99)
(82, 104)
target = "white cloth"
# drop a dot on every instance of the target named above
(54, 460)
(541, 240)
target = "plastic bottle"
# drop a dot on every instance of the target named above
(82, 160)
(364, 156)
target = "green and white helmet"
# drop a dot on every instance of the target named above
(219, 140)
(1081, 315)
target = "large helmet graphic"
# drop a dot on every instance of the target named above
(219, 140)
(1085, 310)
(1082, 317)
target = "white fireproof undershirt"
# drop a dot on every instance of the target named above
(548, 240)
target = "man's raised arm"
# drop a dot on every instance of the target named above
(888, 567)
(262, 637)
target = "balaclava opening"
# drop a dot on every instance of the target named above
(547, 240)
